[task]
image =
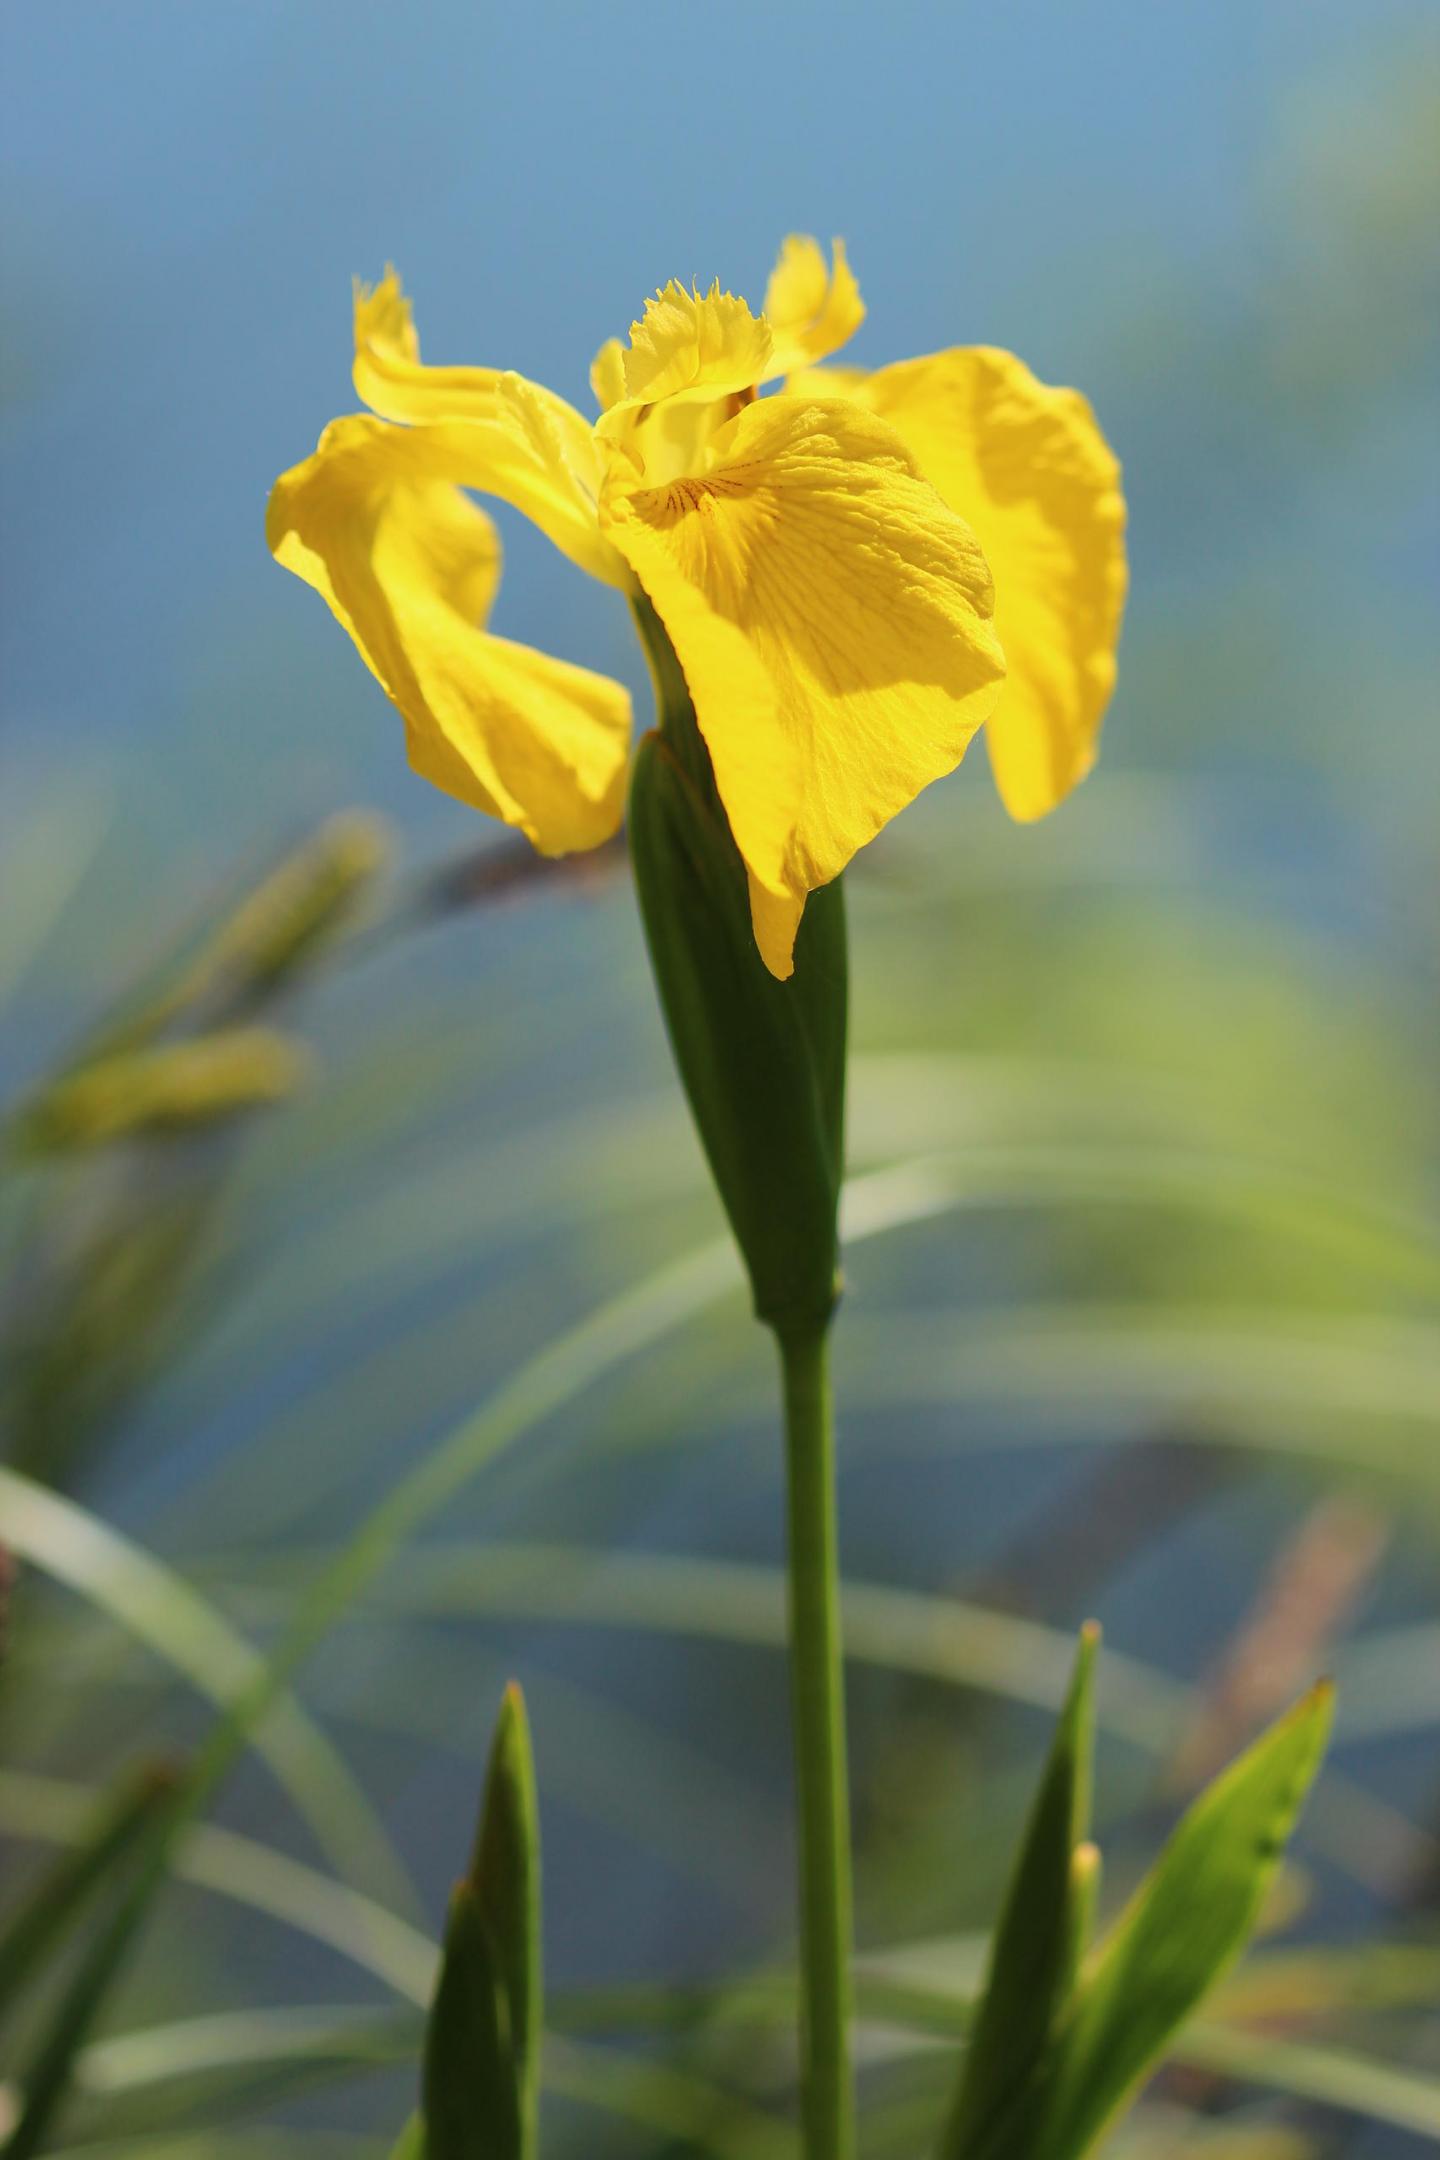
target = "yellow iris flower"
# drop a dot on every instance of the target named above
(821, 559)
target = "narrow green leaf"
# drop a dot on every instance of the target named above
(41, 1919)
(227, 2066)
(160, 1608)
(45, 2079)
(1184, 1927)
(480, 2084)
(254, 1875)
(1039, 1936)
(505, 1870)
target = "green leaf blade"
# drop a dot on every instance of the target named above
(41, 1921)
(1184, 1928)
(480, 2082)
(1039, 1936)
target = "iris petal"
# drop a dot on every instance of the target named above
(688, 347)
(512, 438)
(812, 311)
(1028, 467)
(409, 565)
(832, 616)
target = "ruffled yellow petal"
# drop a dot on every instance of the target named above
(525, 444)
(687, 347)
(1030, 470)
(812, 311)
(832, 618)
(409, 565)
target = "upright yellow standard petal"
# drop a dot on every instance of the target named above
(812, 311)
(1029, 468)
(687, 347)
(521, 443)
(832, 616)
(409, 565)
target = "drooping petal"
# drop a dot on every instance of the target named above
(832, 616)
(394, 382)
(409, 565)
(525, 445)
(1028, 467)
(812, 311)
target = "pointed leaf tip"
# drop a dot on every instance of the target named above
(1184, 1927)
(1039, 1937)
(480, 2084)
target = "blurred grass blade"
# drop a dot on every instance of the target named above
(40, 1921)
(1323, 2073)
(43, 2081)
(199, 2071)
(133, 1582)
(1039, 1935)
(156, 1605)
(890, 1996)
(241, 1869)
(1186, 1924)
(482, 2049)
(1315, 1211)
(118, 2075)
(684, 2112)
(743, 1602)
(232, 2063)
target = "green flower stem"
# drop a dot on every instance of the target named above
(822, 1792)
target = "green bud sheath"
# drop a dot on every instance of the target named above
(762, 1062)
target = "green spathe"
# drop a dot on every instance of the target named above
(762, 1061)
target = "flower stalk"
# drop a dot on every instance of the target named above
(817, 1681)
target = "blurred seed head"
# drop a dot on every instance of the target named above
(306, 901)
(172, 1088)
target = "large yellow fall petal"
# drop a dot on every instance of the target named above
(832, 616)
(409, 565)
(1028, 467)
(523, 443)
(812, 311)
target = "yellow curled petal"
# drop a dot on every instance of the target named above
(607, 374)
(688, 347)
(525, 444)
(812, 311)
(409, 565)
(1029, 468)
(832, 617)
